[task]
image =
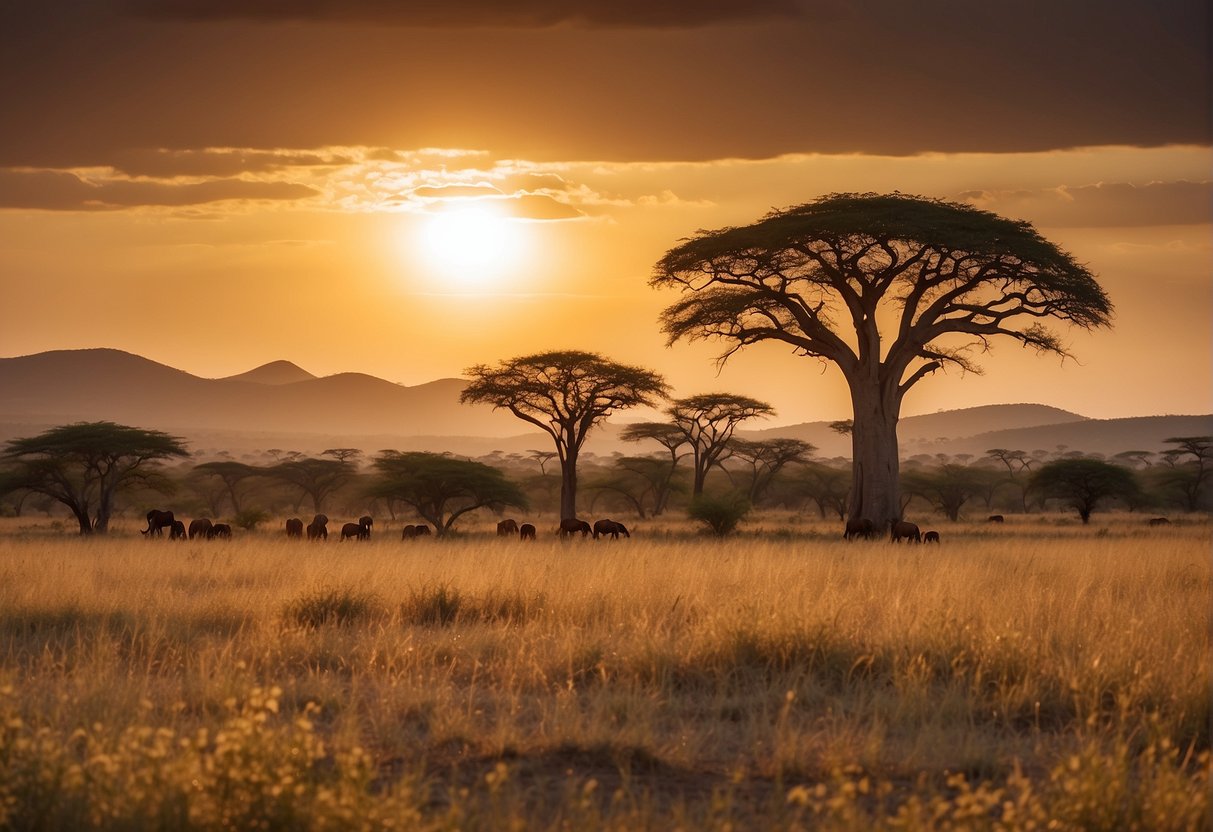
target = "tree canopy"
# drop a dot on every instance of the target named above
(565, 394)
(441, 488)
(941, 278)
(708, 422)
(1083, 484)
(84, 465)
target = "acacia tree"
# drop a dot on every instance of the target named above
(565, 394)
(442, 488)
(1187, 476)
(670, 437)
(231, 474)
(315, 478)
(767, 457)
(84, 465)
(888, 288)
(1082, 484)
(708, 422)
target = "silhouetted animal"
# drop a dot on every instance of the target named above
(366, 521)
(318, 528)
(859, 527)
(157, 522)
(605, 527)
(294, 527)
(358, 531)
(423, 530)
(902, 530)
(526, 532)
(507, 528)
(995, 518)
(201, 528)
(1159, 521)
(176, 531)
(408, 531)
(930, 537)
(222, 530)
(571, 525)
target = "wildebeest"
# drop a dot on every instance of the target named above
(859, 527)
(930, 537)
(222, 530)
(157, 522)
(904, 530)
(176, 531)
(1159, 521)
(423, 530)
(408, 531)
(318, 528)
(507, 528)
(201, 527)
(358, 531)
(526, 532)
(995, 518)
(614, 529)
(294, 527)
(571, 525)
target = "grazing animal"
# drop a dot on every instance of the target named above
(995, 518)
(903, 530)
(1159, 521)
(423, 530)
(408, 531)
(930, 537)
(318, 528)
(859, 527)
(507, 528)
(358, 531)
(294, 527)
(526, 532)
(605, 527)
(176, 531)
(201, 528)
(366, 521)
(157, 522)
(221, 530)
(571, 525)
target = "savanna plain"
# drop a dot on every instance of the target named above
(1037, 674)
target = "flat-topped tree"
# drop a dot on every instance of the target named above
(887, 287)
(565, 394)
(708, 422)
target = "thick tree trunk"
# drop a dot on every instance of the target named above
(568, 486)
(875, 491)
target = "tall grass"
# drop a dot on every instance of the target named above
(1011, 677)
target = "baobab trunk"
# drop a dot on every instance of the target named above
(568, 485)
(875, 490)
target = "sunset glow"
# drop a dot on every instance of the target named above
(472, 245)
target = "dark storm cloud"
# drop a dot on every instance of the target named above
(1104, 205)
(65, 191)
(469, 13)
(216, 161)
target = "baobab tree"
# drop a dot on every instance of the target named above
(565, 394)
(888, 288)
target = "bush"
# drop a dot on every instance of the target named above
(721, 512)
(249, 518)
(331, 605)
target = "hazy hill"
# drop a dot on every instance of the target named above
(276, 372)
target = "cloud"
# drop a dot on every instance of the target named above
(455, 191)
(221, 161)
(1103, 204)
(67, 191)
(479, 13)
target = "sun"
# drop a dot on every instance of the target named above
(472, 244)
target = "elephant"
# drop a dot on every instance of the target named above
(903, 530)
(995, 518)
(358, 531)
(507, 528)
(571, 525)
(526, 532)
(1159, 521)
(605, 527)
(201, 527)
(318, 528)
(221, 530)
(176, 531)
(294, 527)
(365, 521)
(930, 537)
(157, 522)
(859, 527)
(408, 532)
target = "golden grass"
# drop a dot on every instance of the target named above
(1012, 677)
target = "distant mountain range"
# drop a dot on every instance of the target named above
(282, 405)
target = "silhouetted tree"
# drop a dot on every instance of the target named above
(766, 458)
(1082, 484)
(565, 394)
(441, 488)
(1190, 464)
(669, 436)
(313, 477)
(707, 422)
(827, 486)
(946, 487)
(927, 271)
(84, 465)
(231, 474)
(343, 454)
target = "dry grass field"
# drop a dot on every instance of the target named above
(1029, 676)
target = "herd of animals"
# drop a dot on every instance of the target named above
(158, 521)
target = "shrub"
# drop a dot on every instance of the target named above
(249, 518)
(721, 512)
(331, 605)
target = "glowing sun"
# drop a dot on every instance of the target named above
(472, 244)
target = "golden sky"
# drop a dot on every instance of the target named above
(407, 191)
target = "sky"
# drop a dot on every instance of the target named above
(410, 188)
